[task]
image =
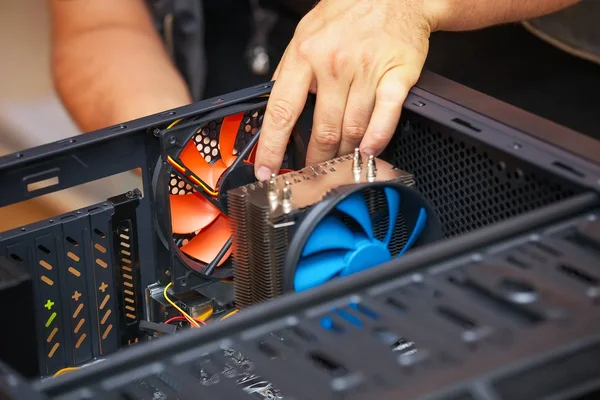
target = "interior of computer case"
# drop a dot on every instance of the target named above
(202, 241)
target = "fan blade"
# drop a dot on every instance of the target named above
(252, 156)
(393, 202)
(318, 269)
(227, 136)
(207, 244)
(194, 161)
(191, 212)
(329, 234)
(217, 168)
(416, 233)
(355, 206)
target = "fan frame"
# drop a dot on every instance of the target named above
(432, 232)
(186, 273)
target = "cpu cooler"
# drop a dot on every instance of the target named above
(301, 229)
(205, 158)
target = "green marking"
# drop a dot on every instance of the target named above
(50, 319)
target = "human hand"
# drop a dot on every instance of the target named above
(361, 58)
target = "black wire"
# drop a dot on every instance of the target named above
(213, 264)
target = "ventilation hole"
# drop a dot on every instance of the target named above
(365, 310)
(303, 334)
(329, 324)
(578, 274)
(72, 241)
(516, 262)
(268, 350)
(547, 249)
(396, 304)
(99, 233)
(324, 362)
(456, 318)
(44, 249)
(16, 258)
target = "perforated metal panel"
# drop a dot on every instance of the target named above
(469, 183)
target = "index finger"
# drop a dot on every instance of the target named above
(284, 107)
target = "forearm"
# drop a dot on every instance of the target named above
(460, 15)
(113, 69)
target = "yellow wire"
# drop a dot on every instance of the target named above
(174, 123)
(229, 315)
(206, 189)
(65, 370)
(205, 316)
(175, 306)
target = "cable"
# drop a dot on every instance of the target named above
(229, 315)
(196, 180)
(174, 123)
(175, 306)
(65, 370)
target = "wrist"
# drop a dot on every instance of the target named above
(434, 13)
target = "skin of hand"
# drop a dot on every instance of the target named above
(361, 58)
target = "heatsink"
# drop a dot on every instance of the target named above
(265, 216)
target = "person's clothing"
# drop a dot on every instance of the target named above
(575, 30)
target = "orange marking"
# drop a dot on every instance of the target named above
(100, 248)
(128, 284)
(106, 332)
(127, 276)
(46, 265)
(52, 334)
(47, 280)
(129, 292)
(131, 301)
(126, 261)
(128, 269)
(130, 316)
(79, 325)
(73, 256)
(101, 263)
(125, 252)
(130, 308)
(81, 339)
(78, 310)
(125, 244)
(74, 272)
(106, 298)
(53, 350)
(103, 321)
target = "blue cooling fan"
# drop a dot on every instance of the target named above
(334, 250)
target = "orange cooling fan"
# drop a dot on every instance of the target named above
(208, 164)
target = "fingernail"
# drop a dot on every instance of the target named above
(368, 152)
(263, 173)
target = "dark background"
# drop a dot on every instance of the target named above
(505, 62)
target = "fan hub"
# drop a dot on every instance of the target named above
(368, 254)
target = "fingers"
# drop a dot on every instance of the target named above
(284, 107)
(357, 115)
(390, 95)
(328, 119)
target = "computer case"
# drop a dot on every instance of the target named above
(496, 175)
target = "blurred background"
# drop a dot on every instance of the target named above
(505, 62)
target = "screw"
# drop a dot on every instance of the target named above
(172, 140)
(272, 193)
(131, 194)
(287, 198)
(371, 169)
(156, 132)
(357, 161)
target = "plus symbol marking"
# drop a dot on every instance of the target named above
(103, 287)
(49, 304)
(76, 296)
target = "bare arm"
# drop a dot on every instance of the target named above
(108, 63)
(460, 15)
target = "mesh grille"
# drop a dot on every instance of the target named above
(470, 184)
(378, 210)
